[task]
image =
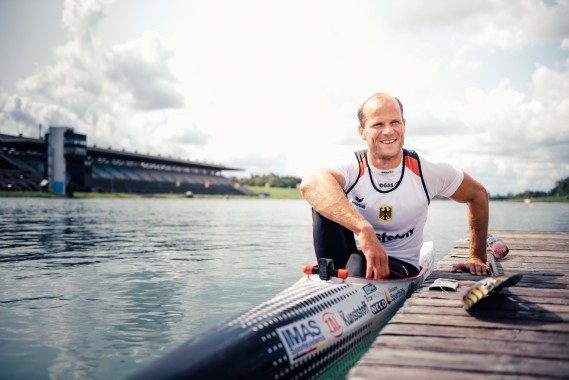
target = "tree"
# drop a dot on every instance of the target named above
(270, 180)
(561, 188)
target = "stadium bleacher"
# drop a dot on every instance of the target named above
(23, 162)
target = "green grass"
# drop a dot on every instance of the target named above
(112, 195)
(273, 193)
(29, 194)
(277, 192)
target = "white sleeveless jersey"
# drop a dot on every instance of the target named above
(396, 201)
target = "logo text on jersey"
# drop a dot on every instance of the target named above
(384, 237)
(359, 202)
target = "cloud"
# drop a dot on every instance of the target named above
(22, 114)
(498, 24)
(261, 164)
(140, 69)
(524, 137)
(192, 136)
(81, 17)
(95, 90)
(12, 108)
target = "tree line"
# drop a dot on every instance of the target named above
(561, 189)
(269, 180)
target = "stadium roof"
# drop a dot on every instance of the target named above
(21, 142)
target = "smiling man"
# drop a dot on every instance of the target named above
(370, 210)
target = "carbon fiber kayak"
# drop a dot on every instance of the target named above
(298, 334)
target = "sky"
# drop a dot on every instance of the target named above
(274, 86)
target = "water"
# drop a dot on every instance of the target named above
(97, 288)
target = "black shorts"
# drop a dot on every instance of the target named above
(333, 241)
(356, 267)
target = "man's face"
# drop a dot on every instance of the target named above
(383, 129)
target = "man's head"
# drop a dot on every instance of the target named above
(379, 95)
(382, 126)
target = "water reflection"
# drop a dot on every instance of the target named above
(123, 281)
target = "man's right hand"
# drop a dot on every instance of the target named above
(376, 257)
(323, 190)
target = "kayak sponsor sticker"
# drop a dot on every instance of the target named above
(305, 337)
(369, 288)
(302, 338)
(356, 313)
(332, 324)
(378, 306)
(371, 293)
(394, 294)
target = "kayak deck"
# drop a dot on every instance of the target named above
(299, 333)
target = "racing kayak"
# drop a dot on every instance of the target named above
(300, 333)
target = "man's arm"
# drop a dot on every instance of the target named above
(475, 196)
(323, 190)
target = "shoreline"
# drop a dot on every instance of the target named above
(261, 193)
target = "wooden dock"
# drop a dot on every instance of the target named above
(521, 333)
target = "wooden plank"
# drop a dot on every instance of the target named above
(475, 345)
(524, 302)
(530, 257)
(394, 371)
(521, 333)
(500, 335)
(490, 323)
(472, 363)
(500, 305)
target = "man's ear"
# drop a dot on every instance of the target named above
(361, 132)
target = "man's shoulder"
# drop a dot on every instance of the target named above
(423, 157)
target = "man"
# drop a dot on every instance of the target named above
(381, 196)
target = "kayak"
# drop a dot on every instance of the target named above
(300, 333)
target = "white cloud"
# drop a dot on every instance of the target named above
(551, 85)
(522, 137)
(96, 91)
(22, 114)
(140, 68)
(191, 136)
(483, 108)
(80, 17)
(499, 24)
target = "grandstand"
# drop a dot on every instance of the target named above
(24, 165)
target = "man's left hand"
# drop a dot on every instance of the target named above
(474, 266)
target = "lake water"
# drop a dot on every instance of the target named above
(98, 288)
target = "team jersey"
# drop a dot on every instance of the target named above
(396, 201)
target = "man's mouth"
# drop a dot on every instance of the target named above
(388, 141)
